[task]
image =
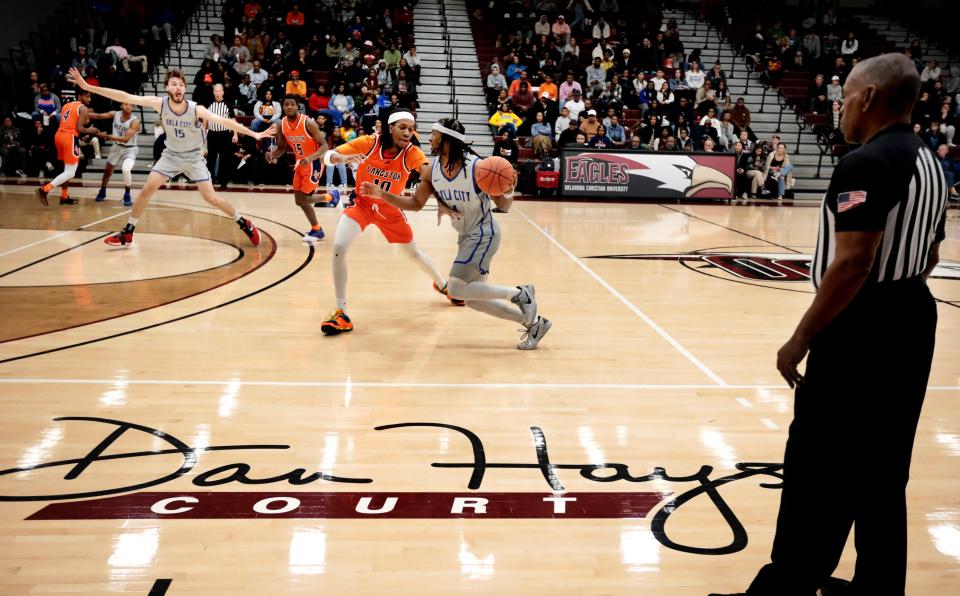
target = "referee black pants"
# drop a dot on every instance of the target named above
(847, 458)
(220, 145)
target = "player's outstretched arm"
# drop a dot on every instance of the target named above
(208, 117)
(114, 94)
(281, 146)
(414, 203)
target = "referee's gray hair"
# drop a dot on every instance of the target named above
(896, 79)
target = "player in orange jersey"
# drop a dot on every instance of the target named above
(385, 160)
(74, 118)
(306, 140)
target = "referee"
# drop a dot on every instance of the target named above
(220, 141)
(870, 336)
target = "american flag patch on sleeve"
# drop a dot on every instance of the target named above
(849, 200)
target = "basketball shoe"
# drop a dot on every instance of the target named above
(102, 195)
(444, 292)
(250, 230)
(314, 235)
(534, 333)
(121, 238)
(338, 322)
(527, 301)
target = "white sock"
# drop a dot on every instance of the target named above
(237, 217)
(64, 177)
(479, 290)
(422, 261)
(133, 220)
(498, 308)
(348, 230)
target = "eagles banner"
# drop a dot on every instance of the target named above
(624, 174)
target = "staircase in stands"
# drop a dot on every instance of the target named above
(449, 71)
(698, 34)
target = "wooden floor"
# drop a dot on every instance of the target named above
(172, 412)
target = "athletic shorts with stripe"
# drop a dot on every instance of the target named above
(68, 148)
(306, 179)
(475, 253)
(192, 165)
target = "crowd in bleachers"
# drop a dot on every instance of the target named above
(349, 63)
(114, 43)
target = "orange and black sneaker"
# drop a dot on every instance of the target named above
(122, 238)
(337, 322)
(453, 301)
(68, 201)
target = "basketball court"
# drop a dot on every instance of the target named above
(174, 421)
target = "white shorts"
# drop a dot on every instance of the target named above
(193, 166)
(118, 153)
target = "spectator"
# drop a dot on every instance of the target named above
(601, 30)
(600, 140)
(931, 73)
(515, 84)
(254, 43)
(933, 136)
(740, 116)
(616, 132)
(333, 50)
(504, 120)
(695, 77)
(392, 57)
(248, 94)
(951, 170)
(649, 132)
(709, 145)
(817, 95)
(745, 142)
(300, 63)
(596, 76)
(238, 50)
(241, 66)
(722, 97)
(568, 87)
(758, 163)
(413, 61)
(569, 136)
(508, 148)
(590, 125)
(835, 90)
(776, 173)
(575, 105)
(664, 95)
(710, 125)
(741, 165)
(336, 139)
(215, 51)
(635, 144)
(811, 46)
(560, 29)
(728, 132)
(923, 110)
(46, 105)
(705, 98)
(549, 87)
(572, 47)
(266, 113)
(514, 69)
(679, 84)
(257, 75)
(562, 123)
(543, 26)
(41, 152)
(850, 47)
(12, 153)
(342, 104)
(542, 136)
(948, 119)
(716, 75)
(295, 19)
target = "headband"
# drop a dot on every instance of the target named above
(449, 132)
(402, 115)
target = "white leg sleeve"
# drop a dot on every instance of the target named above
(127, 168)
(479, 290)
(347, 231)
(498, 308)
(68, 173)
(423, 262)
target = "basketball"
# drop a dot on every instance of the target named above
(495, 176)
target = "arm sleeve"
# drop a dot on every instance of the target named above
(858, 174)
(360, 145)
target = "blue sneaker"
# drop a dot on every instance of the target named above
(127, 200)
(102, 195)
(335, 200)
(314, 235)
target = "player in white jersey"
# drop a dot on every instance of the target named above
(450, 178)
(123, 154)
(183, 122)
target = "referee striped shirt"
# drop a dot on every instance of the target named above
(220, 108)
(895, 185)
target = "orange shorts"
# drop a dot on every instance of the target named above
(307, 179)
(68, 148)
(391, 221)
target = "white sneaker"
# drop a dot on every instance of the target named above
(534, 333)
(527, 302)
(21, 173)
